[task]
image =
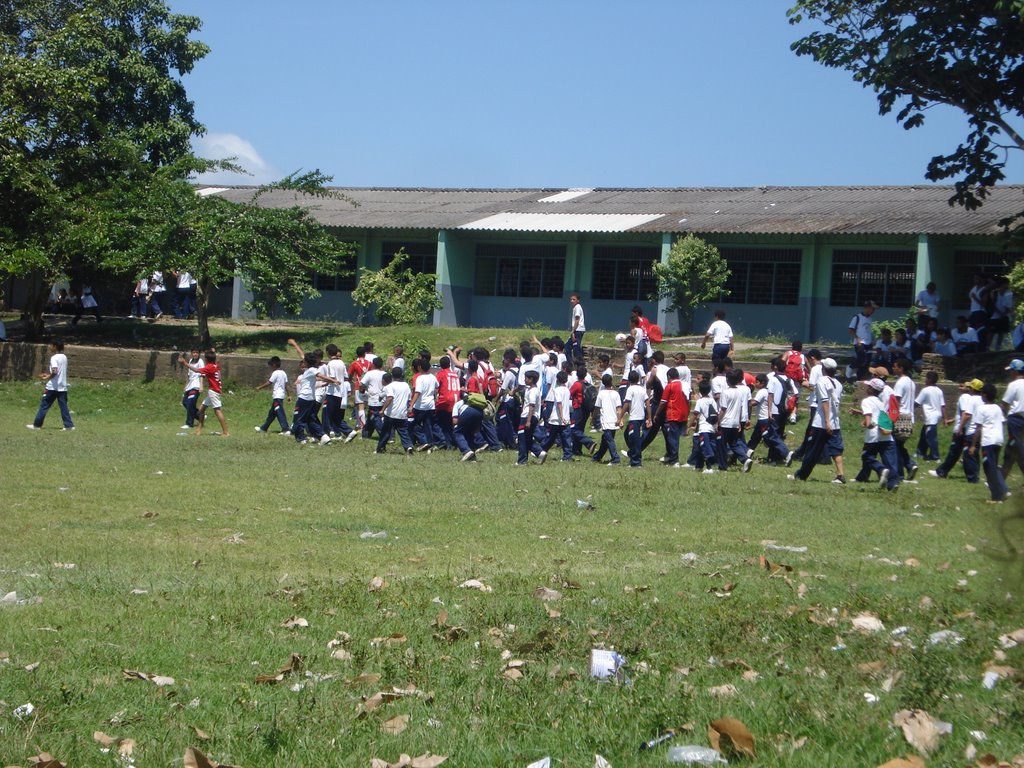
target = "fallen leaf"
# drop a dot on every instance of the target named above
(867, 623)
(546, 594)
(160, 680)
(103, 739)
(723, 691)
(370, 678)
(476, 584)
(395, 639)
(773, 568)
(551, 612)
(427, 760)
(395, 725)
(46, 760)
(441, 620)
(341, 655)
(870, 667)
(729, 735)
(910, 761)
(376, 584)
(294, 621)
(294, 664)
(921, 730)
(1012, 639)
(200, 733)
(196, 759)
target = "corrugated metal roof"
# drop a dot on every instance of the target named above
(754, 210)
(562, 222)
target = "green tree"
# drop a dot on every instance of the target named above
(398, 296)
(694, 273)
(275, 251)
(967, 54)
(90, 99)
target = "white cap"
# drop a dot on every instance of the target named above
(829, 362)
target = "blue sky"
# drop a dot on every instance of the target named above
(554, 93)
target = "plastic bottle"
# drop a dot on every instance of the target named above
(691, 753)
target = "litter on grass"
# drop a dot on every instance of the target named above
(373, 535)
(606, 664)
(695, 755)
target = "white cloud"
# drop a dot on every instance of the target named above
(221, 146)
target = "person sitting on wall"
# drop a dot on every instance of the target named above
(964, 337)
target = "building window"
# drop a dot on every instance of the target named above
(520, 270)
(762, 275)
(623, 273)
(884, 277)
(422, 257)
(966, 263)
(343, 282)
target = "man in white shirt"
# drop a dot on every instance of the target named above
(56, 378)
(395, 411)
(863, 336)
(1013, 405)
(906, 392)
(636, 407)
(734, 404)
(963, 433)
(372, 384)
(424, 394)
(719, 333)
(826, 435)
(577, 327)
(989, 438)
(194, 387)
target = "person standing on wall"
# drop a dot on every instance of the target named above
(863, 336)
(577, 327)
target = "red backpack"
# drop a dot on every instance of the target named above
(795, 370)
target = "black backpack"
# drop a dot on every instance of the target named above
(589, 397)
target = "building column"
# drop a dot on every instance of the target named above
(239, 296)
(923, 274)
(668, 320)
(445, 316)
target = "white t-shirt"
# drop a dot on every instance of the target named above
(550, 372)
(777, 391)
(872, 406)
(932, 401)
(828, 390)
(686, 377)
(929, 302)
(989, 417)
(861, 326)
(905, 391)
(426, 386)
(305, 385)
(718, 385)
(636, 395)
(373, 380)
(156, 282)
(278, 384)
(336, 369)
(400, 395)
(608, 403)
(58, 382)
(321, 386)
(705, 406)
(1014, 397)
(399, 363)
(812, 381)
(970, 336)
(720, 332)
(561, 406)
(968, 403)
(577, 311)
(184, 279)
(762, 401)
(531, 397)
(194, 380)
(661, 372)
(734, 403)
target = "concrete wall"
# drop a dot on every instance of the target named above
(21, 362)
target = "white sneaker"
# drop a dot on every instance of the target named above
(351, 436)
(747, 465)
(184, 426)
(883, 478)
(677, 465)
(286, 433)
(708, 472)
(32, 426)
(468, 456)
(933, 473)
(541, 457)
(325, 439)
(686, 466)
(67, 429)
(258, 429)
(789, 459)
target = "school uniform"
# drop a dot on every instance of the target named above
(528, 424)
(822, 443)
(606, 407)
(734, 404)
(863, 336)
(879, 453)
(932, 402)
(423, 426)
(395, 416)
(677, 411)
(278, 390)
(989, 418)
(1014, 399)
(721, 339)
(306, 406)
(905, 391)
(56, 390)
(373, 382)
(705, 440)
(466, 420)
(967, 404)
(190, 396)
(636, 397)
(559, 422)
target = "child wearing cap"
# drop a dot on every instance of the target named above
(826, 438)
(989, 436)
(967, 403)
(879, 454)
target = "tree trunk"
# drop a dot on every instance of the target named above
(35, 305)
(202, 309)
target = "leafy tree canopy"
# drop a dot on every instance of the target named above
(399, 296)
(967, 54)
(694, 273)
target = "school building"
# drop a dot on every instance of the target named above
(802, 259)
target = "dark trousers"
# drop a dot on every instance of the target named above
(878, 456)
(390, 426)
(306, 421)
(861, 359)
(990, 462)
(1015, 446)
(652, 432)
(444, 431)
(374, 421)
(928, 442)
(673, 431)
(423, 428)
(49, 396)
(525, 437)
(574, 346)
(561, 434)
(819, 440)
(467, 432)
(608, 446)
(276, 412)
(767, 431)
(634, 442)
(188, 402)
(580, 440)
(958, 450)
(334, 416)
(719, 351)
(505, 422)
(905, 461)
(733, 443)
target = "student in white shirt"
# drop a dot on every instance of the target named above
(306, 404)
(944, 344)
(933, 412)
(906, 392)
(826, 434)
(963, 432)
(989, 438)
(424, 399)
(56, 378)
(964, 337)
(635, 405)
(608, 406)
(577, 327)
(719, 333)
(685, 375)
(194, 387)
(704, 424)
(559, 420)
(528, 418)
(734, 404)
(863, 336)
(395, 411)
(1013, 406)
(278, 384)
(879, 454)
(372, 385)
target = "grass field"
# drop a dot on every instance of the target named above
(133, 548)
